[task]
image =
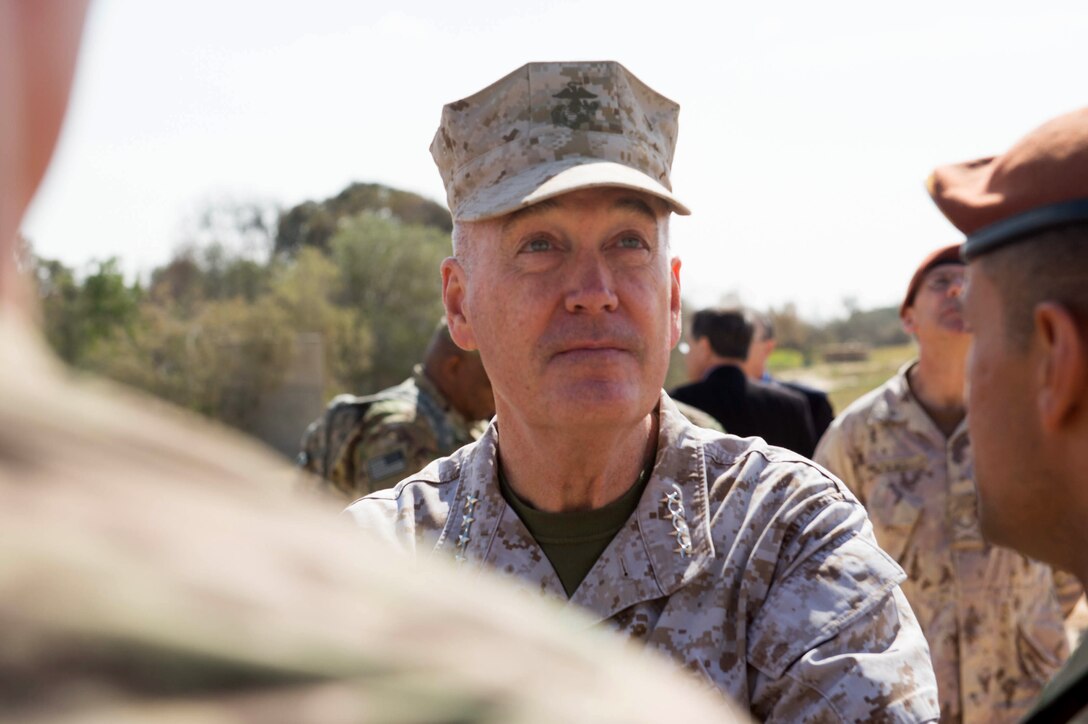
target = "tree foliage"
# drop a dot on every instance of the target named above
(80, 313)
(216, 327)
(314, 224)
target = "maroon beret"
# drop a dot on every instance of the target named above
(1041, 182)
(944, 255)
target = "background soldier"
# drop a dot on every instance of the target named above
(1025, 214)
(904, 450)
(363, 444)
(155, 568)
(744, 562)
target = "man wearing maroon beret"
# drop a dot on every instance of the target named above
(905, 451)
(1025, 214)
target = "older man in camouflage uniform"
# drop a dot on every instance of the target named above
(155, 569)
(363, 444)
(748, 564)
(993, 618)
(1025, 214)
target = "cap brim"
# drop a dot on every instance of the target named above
(548, 180)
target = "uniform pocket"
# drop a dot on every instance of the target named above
(894, 514)
(1040, 646)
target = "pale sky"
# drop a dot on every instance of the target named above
(806, 129)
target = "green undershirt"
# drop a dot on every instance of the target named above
(574, 540)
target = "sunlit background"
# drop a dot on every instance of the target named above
(807, 129)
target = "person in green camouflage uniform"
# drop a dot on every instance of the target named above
(1025, 216)
(363, 444)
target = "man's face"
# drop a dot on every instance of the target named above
(574, 306)
(936, 313)
(758, 352)
(999, 420)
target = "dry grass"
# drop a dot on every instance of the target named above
(846, 381)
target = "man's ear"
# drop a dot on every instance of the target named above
(454, 292)
(674, 302)
(907, 320)
(1063, 365)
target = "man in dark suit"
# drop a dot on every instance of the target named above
(719, 343)
(763, 343)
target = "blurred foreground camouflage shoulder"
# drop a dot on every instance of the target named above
(153, 567)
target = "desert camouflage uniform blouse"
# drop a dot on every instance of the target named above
(747, 563)
(993, 618)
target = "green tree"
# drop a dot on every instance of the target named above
(314, 224)
(219, 362)
(390, 276)
(58, 293)
(79, 313)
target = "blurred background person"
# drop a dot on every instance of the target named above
(719, 342)
(763, 345)
(993, 618)
(363, 444)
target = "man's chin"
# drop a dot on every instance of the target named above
(954, 322)
(601, 402)
(998, 531)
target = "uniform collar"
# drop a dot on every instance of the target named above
(667, 541)
(896, 400)
(897, 405)
(664, 544)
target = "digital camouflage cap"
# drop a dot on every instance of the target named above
(550, 128)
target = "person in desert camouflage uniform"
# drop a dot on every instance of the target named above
(155, 568)
(1025, 215)
(993, 618)
(748, 564)
(363, 444)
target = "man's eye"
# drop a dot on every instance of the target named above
(631, 242)
(538, 245)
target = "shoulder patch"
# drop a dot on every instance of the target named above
(387, 465)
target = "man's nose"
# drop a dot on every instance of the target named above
(591, 286)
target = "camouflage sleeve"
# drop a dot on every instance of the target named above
(833, 453)
(834, 638)
(312, 448)
(311, 456)
(1068, 589)
(877, 668)
(390, 450)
